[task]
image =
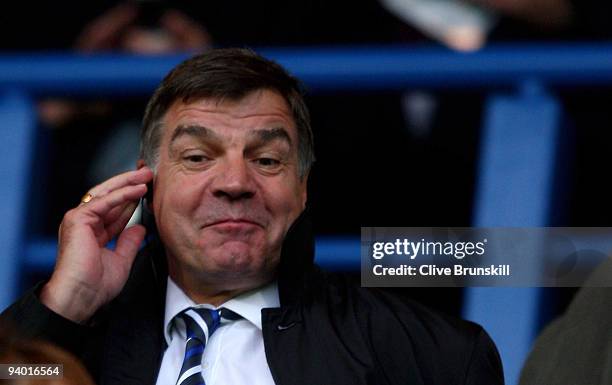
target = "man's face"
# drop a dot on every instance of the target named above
(227, 189)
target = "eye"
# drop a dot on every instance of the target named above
(267, 162)
(195, 158)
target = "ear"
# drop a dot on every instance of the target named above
(140, 163)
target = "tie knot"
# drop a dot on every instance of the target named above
(201, 323)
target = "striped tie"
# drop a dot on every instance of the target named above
(200, 324)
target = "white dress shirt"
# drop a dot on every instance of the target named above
(234, 354)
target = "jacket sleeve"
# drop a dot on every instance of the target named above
(32, 319)
(484, 367)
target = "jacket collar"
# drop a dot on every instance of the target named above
(297, 261)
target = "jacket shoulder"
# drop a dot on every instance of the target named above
(553, 357)
(405, 335)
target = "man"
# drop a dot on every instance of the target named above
(227, 145)
(576, 347)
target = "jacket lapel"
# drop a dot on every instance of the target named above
(134, 344)
(133, 348)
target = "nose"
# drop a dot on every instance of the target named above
(234, 181)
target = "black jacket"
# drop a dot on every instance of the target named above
(327, 330)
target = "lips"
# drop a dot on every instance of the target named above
(233, 222)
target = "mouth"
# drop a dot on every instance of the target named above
(229, 224)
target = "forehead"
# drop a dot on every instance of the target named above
(258, 109)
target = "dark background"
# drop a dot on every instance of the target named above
(372, 169)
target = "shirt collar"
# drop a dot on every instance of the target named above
(248, 305)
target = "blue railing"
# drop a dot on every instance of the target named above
(327, 69)
(526, 117)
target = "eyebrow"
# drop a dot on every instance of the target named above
(262, 136)
(194, 130)
(265, 136)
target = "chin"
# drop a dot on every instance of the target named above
(236, 256)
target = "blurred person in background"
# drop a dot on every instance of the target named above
(17, 350)
(466, 25)
(576, 347)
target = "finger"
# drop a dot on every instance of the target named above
(120, 211)
(114, 222)
(93, 214)
(99, 207)
(129, 242)
(142, 175)
(115, 227)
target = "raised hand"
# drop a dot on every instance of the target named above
(87, 275)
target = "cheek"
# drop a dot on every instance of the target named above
(179, 198)
(286, 205)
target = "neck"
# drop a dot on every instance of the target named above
(214, 292)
